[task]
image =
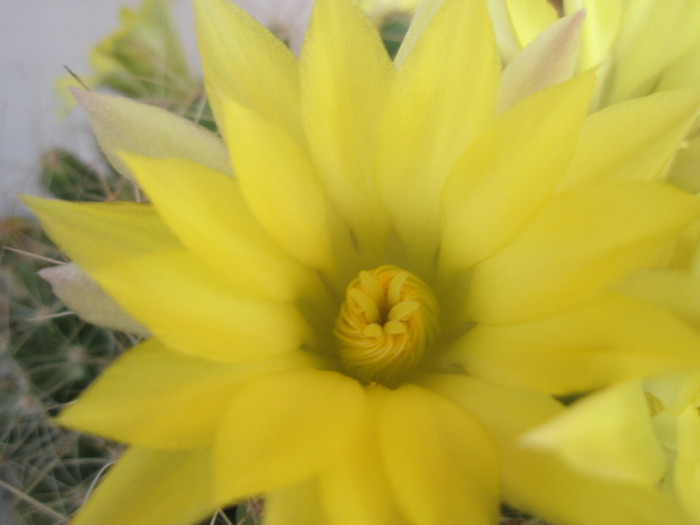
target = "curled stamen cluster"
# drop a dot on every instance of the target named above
(387, 321)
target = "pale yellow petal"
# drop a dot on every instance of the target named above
(502, 181)
(580, 243)
(599, 29)
(132, 255)
(439, 459)
(444, 94)
(652, 36)
(298, 504)
(685, 170)
(206, 210)
(675, 290)
(686, 470)
(122, 125)
(245, 62)
(607, 340)
(530, 18)
(280, 185)
(155, 397)
(357, 489)
(647, 132)
(82, 295)
(548, 59)
(539, 482)
(607, 433)
(506, 39)
(148, 487)
(283, 428)
(195, 310)
(345, 78)
(132, 229)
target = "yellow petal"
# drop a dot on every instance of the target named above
(148, 486)
(501, 181)
(154, 397)
(599, 29)
(244, 62)
(133, 230)
(508, 44)
(122, 125)
(581, 242)
(607, 433)
(539, 482)
(443, 95)
(529, 18)
(357, 489)
(676, 290)
(83, 296)
(345, 78)
(651, 36)
(646, 132)
(282, 428)
(132, 255)
(548, 59)
(686, 165)
(206, 210)
(687, 465)
(298, 504)
(610, 339)
(280, 185)
(195, 310)
(440, 461)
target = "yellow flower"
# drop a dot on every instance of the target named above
(638, 48)
(361, 323)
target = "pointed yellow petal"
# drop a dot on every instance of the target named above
(244, 62)
(444, 94)
(298, 504)
(687, 464)
(607, 433)
(282, 428)
(123, 125)
(599, 29)
(83, 296)
(280, 185)
(675, 290)
(651, 36)
(580, 243)
(541, 483)
(357, 489)
(501, 181)
(530, 18)
(611, 339)
(646, 132)
(153, 486)
(440, 461)
(345, 77)
(154, 397)
(130, 253)
(206, 210)
(133, 230)
(195, 310)
(508, 44)
(548, 59)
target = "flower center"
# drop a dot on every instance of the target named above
(387, 321)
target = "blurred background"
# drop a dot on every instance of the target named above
(37, 39)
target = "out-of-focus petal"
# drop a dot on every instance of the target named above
(122, 125)
(83, 296)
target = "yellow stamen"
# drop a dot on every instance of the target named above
(387, 322)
